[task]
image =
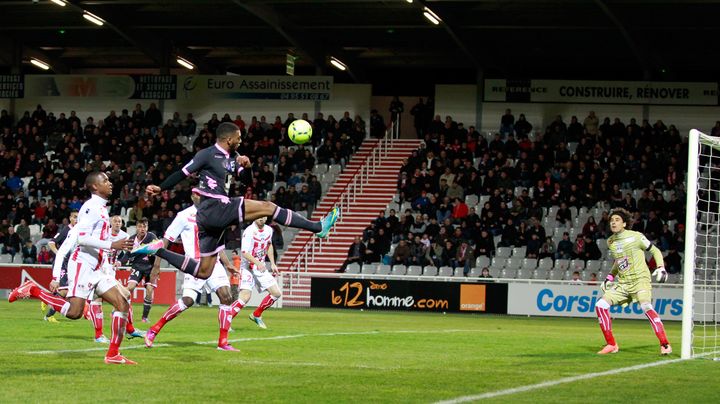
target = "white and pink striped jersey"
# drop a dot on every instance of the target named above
(93, 233)
(184, 226)
(256, 242)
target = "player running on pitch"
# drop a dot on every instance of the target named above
(144, 268)
(85, 274)
(185, 227)
(217, 211)
(256, 245)
(629, 280)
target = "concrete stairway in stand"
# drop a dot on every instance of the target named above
(377, 193)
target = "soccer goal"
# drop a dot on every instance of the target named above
(701, 296)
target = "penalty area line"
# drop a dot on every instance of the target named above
(551, 383)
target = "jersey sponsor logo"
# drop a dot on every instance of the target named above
(211, 183)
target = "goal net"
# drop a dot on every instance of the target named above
(701, 300)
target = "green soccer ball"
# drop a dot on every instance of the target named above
(300, 131)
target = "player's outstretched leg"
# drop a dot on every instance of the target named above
(658, 328)
(602, 309)
(30, 289)
(257, 209)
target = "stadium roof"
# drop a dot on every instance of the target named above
(387, 42)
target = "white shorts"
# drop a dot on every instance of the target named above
(217, 280)
(260, 280)
(83, 280)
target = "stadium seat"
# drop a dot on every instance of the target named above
(561, 265)
(606, 266)
(383, 269)
(430, 270)
(514, 263)
(545, 263)
(6, 259)
(522, 274)
(353, 268)
(398, 270)
(541, 274)
(577, 265)
(593, 265)
(321, 168)
(471, 200)
(131, 230)
(519, 251)
(503, 252)
(369, 269)
(448, 271)
(482, 261)
(335, 169)
(34, 229)
(529, 263)
(673, 278)
(474, 272)
(556, 274)
(498, 262)
(414, 270)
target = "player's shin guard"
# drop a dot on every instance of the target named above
(224, 320)
(268, 301)
(289, 218)
(129, 327)
(183, 263)
(236, 306)
(118, 330)
(147, 305)
(603, 314)
(170, 314)
(96, 316)
(657, 326)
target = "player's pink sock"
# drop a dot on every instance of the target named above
(224, 319)
(170, 314)
(657, 326)
(129, 328)
(236, 306)
(56, 302)
(96, 316)
(605, 324)
(118, 330)
(268, 301)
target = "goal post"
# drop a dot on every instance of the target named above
(701, 296)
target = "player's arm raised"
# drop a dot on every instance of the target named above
(173, 179)
(227, 264)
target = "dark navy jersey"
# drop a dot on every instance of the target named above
(215, 168)
(61, 236)
(139, 262)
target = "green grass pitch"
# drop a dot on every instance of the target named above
(318, 356)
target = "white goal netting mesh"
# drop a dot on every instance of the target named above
(705, 235)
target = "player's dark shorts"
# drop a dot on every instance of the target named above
(63, 281)
(214, 216)
(137, 276)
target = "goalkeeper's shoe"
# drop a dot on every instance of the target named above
(50, 319)
(43, 308)
(609, 349)
(665, 349)
(258, 320)
(148, 248)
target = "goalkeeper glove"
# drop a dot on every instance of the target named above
(607, 283)
(661, 275)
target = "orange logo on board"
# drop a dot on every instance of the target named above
(472, 297)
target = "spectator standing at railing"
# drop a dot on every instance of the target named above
(396, 108)
(420, 117)
(377, 124)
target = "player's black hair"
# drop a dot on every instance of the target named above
(144, 221)
(225, 130)
(623, 213)
(92, 179)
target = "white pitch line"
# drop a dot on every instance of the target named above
(277, 337)
(309, 364)
(101, 348)
(552, 383)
